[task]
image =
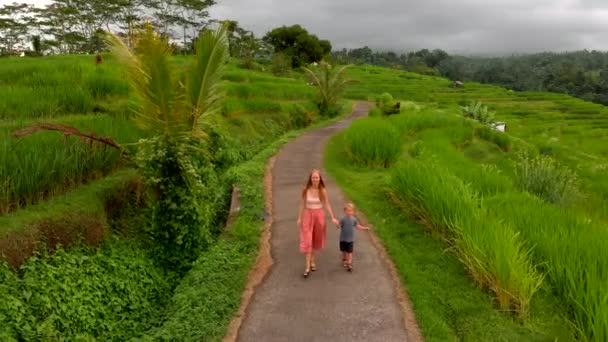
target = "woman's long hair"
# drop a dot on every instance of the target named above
(309, 185)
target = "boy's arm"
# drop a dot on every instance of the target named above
(359, 226)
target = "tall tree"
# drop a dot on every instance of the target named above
(295, 42)
(13, 26)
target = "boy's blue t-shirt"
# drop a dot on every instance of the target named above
(348, 225)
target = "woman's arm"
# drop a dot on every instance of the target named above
(300, 211)
(328, 206)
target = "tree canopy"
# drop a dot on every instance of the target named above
(295, 42)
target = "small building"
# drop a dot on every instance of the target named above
(500, 126)
(457, 84)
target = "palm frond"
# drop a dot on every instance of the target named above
(150, 73)
(330, 82)
(204, 86)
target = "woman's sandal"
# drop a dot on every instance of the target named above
(306, 273)
(313, 267)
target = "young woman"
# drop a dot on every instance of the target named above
(311, 218)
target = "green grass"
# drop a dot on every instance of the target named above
(85, 200)
(573, 131)
(72, 90)
(373, 142)
(466, 188)
(447, 304)
(40, 166)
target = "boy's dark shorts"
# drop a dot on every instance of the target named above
(346, 247)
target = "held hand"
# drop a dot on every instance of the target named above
(335, 221)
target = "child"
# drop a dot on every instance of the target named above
(348, 223)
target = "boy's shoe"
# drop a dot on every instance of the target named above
(349, 267)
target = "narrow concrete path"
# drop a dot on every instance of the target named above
(331, 304)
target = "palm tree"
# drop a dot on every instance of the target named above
(179, 111)
(330, 83)
(169, 105)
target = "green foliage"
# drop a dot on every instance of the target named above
(479, 112)
(578, 73)
(386, 104)
(501, 139)
(373, 142)
(546, 178)
(179, 221)
(331, 83)
(112, 295)
(181, 114)
(299, 45)
(35, 168)
(495, 256)
(281, 64)
(299, 117)
(571, 250)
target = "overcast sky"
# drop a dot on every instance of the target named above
(464, 26)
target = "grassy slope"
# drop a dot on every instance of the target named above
(572, 130)
(447, 304)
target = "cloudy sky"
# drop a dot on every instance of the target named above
(464, 26)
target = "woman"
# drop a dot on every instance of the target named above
(311, 218)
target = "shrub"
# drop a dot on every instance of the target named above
(114, 294)
(373, 142)
(49, 234)
(479, 112)
(299, 117)
(179, 223)
(281, 64)
(501, 139)
(387, 105)
(546, 178)
(383, 99)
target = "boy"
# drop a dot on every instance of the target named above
(348, 223)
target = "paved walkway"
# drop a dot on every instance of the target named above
(331, 304)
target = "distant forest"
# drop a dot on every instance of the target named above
(583, 74)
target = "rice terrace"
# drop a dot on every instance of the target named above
(168, 173)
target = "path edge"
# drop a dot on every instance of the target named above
(412, 328)
(263, 262)
(409, 318)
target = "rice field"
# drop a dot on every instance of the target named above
(520, 221)
(74, 90)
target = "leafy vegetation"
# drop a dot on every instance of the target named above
(295, 43)
(331, 83)
(113, 293)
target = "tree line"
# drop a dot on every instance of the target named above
(583, 74)
(75, 26)
(423, 61)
